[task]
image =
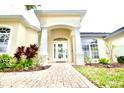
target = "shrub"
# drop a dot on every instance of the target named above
(5, 61)
(23, 59)
(18, 66)
(37, 61)
(12, 62)
(31, 51)
(120, 59)
(104, 61)
(27, 64)
(20, 51)
(23, 64)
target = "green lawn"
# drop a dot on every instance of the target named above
(103, 77)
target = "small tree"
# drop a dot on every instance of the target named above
(87, 59)
(110, 50)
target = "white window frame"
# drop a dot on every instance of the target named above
(93, 51)
(90, 51)
(10, 38)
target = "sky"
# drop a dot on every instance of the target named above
(101, 16)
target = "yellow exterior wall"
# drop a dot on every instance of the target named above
(58, 19)
(14, 28)
(19, 35)
(118, 41)
(102, 48)
(31, 37)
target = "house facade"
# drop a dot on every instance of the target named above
(57, 33)
(95, 45)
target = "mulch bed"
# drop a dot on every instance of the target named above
(38, 68)
(111, 65)
(98, 65)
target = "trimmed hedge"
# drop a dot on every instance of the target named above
(120, 59)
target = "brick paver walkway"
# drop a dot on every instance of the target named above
(59, 75)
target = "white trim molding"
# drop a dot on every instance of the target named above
(19, 18)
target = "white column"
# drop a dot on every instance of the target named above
(78, 48)
(43, 46)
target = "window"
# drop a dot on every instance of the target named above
(94, 49)
(90, 48)
(86, 50)
(4, 38)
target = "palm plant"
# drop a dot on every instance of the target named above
(29, 7)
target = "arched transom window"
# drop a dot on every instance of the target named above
(60, 39)
(4, 39)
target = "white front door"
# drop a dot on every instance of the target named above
(60, 51)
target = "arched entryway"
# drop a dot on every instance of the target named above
(60, 44)
(61, 24)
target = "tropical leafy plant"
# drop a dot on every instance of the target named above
(4, 61)
(29, 7)
(27, 64)
(20, 51)
(22, 64)
(23, 59)
(31, 51)
(18, 66)
(104, 61)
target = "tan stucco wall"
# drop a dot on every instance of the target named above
(14, 28)
(102, 48)
(59, 33)
(118, 41)
(20, 35)
(31, 37)
(50, 20)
